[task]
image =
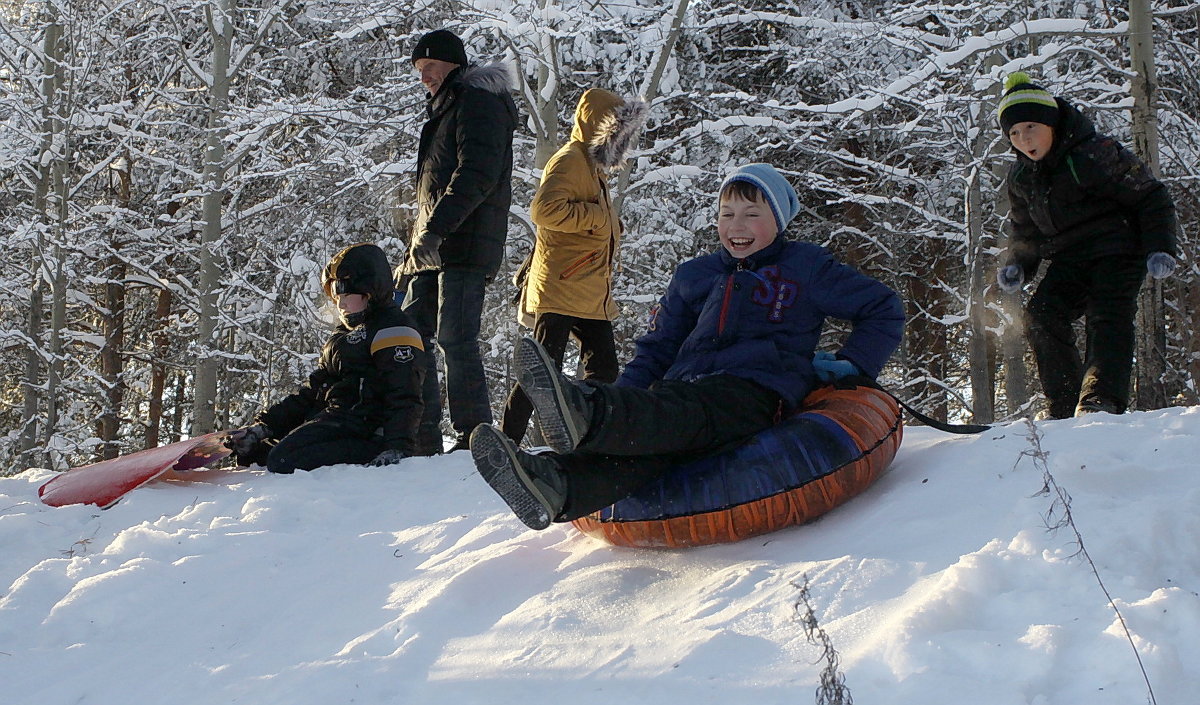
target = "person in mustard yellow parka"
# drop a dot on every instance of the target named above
(567, 291)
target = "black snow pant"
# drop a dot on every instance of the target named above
(1105, 290)
(319, 443)
(597, 353)
(636, 435)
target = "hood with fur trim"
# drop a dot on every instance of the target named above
(494, 77)
(609, 125)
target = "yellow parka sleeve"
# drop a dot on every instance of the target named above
(568, 198)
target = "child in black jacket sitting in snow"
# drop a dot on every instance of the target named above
(363, 402)
(1091, 208)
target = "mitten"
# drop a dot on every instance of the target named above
(245, 440)
(391, 456)
(1010, 278)
(425, 251)
(829, 368)
(1160, 265)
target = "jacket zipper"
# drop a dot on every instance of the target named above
(729, 283)
(1074, 174)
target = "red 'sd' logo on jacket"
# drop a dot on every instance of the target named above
(776, 293)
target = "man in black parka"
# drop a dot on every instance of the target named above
(363, 402)
(463, 191)
(1089, 206)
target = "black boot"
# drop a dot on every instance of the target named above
(533, 486)
(428, 441)
(563, 411)
(1096, 403)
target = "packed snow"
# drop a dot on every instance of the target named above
(941, 584)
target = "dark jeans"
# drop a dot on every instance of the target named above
(597, 352)
(1104, 290)
(446, 308)
(319, 443)
(638, 434)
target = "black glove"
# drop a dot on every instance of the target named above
(391, 456)
(244, 441)
(424, 251)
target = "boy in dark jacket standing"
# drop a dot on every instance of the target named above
(463, 191)
(363, 402)
(730, 348)
(1090, 207)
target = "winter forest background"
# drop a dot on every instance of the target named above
(174, 173)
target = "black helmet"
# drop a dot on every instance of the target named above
(359, 269)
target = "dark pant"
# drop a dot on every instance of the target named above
(636, 435)
(319, 443)
(446, 308)
(597, 353)
(1104, 290)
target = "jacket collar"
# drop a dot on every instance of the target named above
(446, 94)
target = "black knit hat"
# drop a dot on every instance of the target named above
(440, 44)
(1025, 101)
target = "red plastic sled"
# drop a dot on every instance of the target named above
(107, 481)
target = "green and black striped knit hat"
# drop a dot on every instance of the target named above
(1025, 101)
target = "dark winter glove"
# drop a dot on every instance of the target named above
(425, 253)
(1010, 278)
(829, 368)
(245, 440)
(1160, 265)
(391, 456)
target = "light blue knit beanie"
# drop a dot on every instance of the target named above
(780, 195)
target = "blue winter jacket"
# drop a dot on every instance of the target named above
(760, 318)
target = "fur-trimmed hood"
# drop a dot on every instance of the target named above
(609, 125)
(493, 77)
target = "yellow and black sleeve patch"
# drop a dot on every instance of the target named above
(396, 336)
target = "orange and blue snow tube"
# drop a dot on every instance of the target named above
(835, 446)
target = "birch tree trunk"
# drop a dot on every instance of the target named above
(1012, 332)
(1152, 331)
(979, 354)
(547, 97)
(52, 54)
(650, 87)
(58, 285)
(62, 155)
(983, 407)
(220, 25)
(220, 16)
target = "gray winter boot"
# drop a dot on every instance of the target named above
(533, 486)
(1096, 403)
(563, 411)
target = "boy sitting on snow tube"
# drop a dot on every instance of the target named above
(729, 351)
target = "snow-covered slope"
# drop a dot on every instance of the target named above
(412, 584)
